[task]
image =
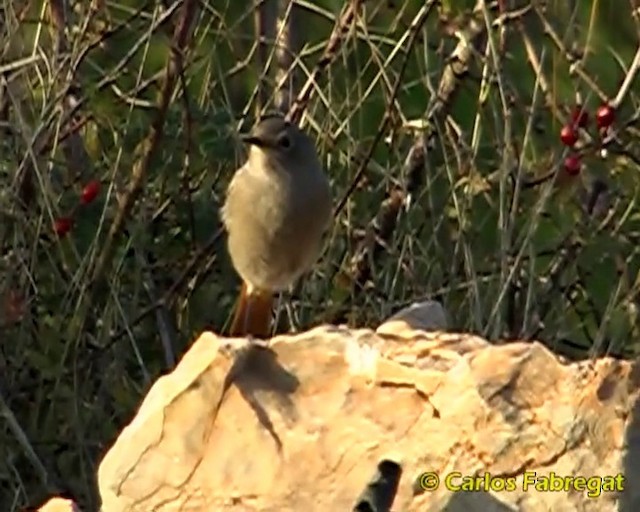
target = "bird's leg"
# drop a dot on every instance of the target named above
(246, 316)
(278, 310)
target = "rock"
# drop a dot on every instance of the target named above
(59, 505)
(427, 315)
(304, 425)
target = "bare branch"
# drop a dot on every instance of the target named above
(265, 12)
(286, 51)
(148, 147)
(344, 22)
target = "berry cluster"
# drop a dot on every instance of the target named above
(62, 225)
(605, 115)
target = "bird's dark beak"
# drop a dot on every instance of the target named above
(252, 140)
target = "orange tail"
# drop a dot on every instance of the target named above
(252, 316)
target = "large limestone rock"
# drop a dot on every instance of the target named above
(302, 425)
(59, 505)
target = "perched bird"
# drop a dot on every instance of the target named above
(277, 207)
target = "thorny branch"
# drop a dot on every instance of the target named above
(381, 228)
(148, 147)
(286, 50)
(345, 21)
(264, 22)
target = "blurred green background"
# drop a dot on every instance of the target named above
(496, 229)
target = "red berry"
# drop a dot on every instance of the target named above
(605, 116)
(579, 117)
(62, 225)
(568, 135)
(90, 192)
(572, 165)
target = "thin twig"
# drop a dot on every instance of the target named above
(576, 66)
(345, 21)
(166, 329)
(286, 52)
(265, 25)
(369, 249)
(169, 297)
(628, 80)
(73, 147)
(414, 29)
(23, 441)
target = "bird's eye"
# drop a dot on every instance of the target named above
(284, 141)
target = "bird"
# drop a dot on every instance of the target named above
(277, 208)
